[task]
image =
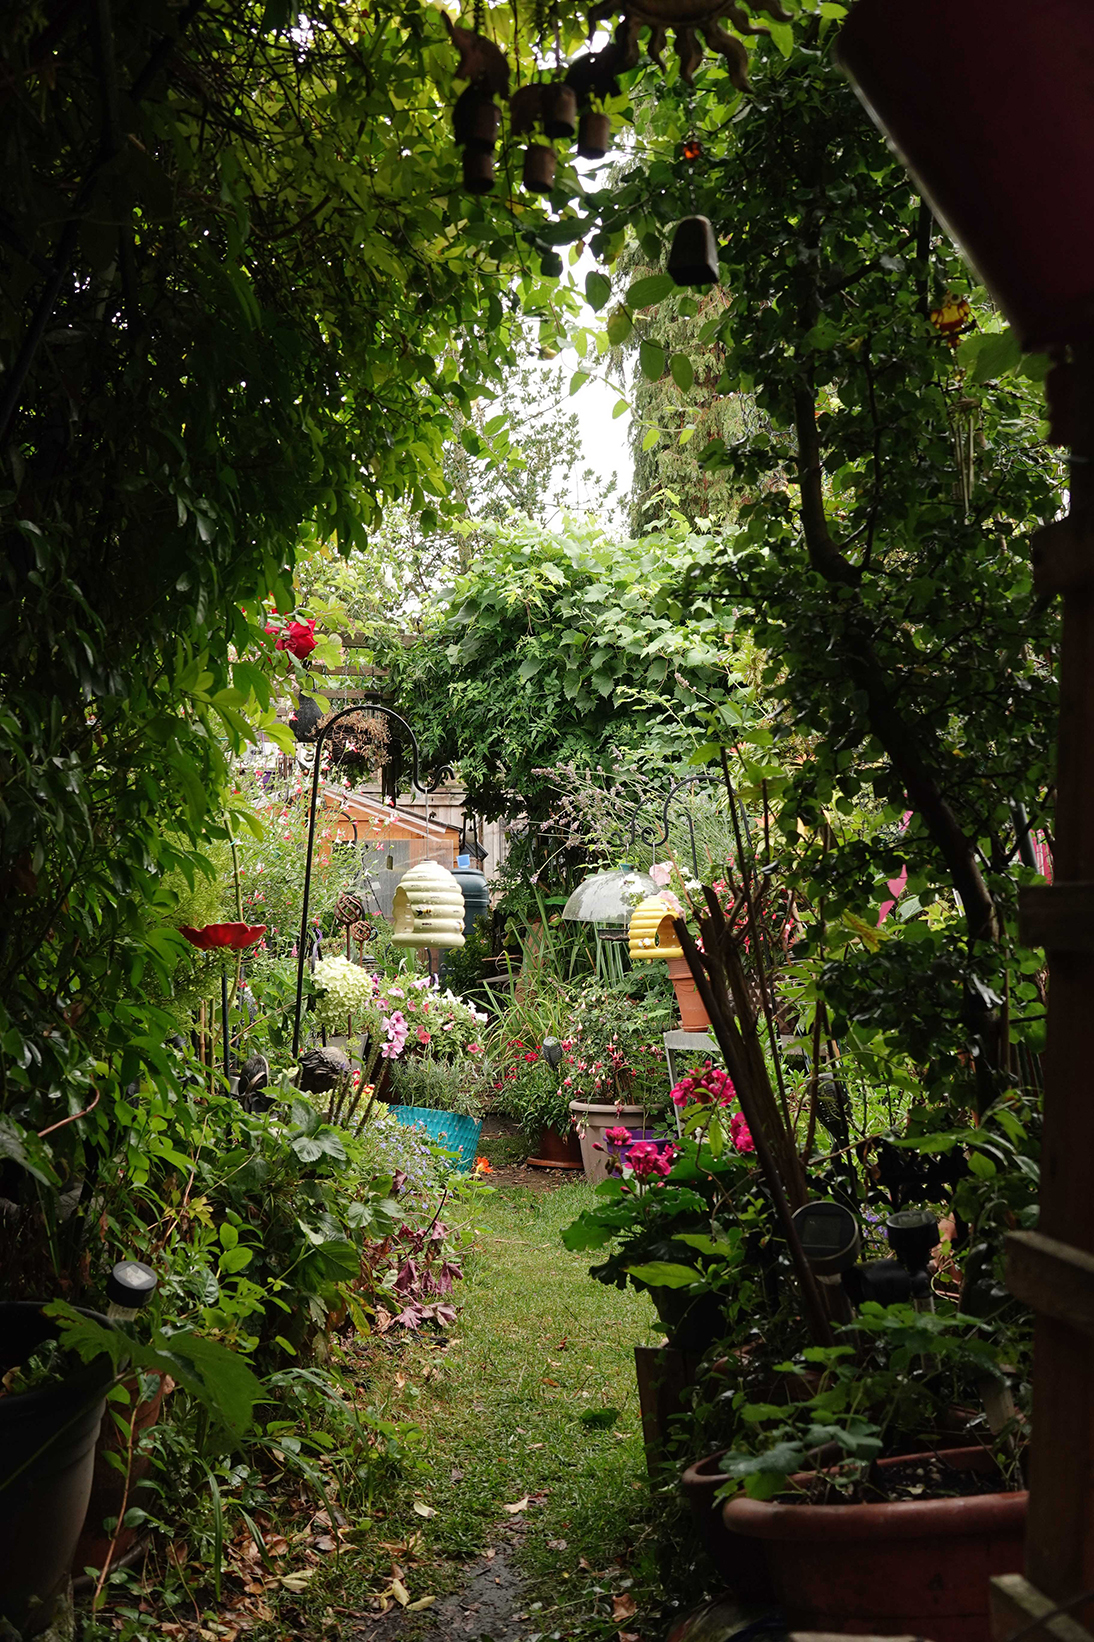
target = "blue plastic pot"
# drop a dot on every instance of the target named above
(451, 1130)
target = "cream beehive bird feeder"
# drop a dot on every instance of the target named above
(428, 908)
(651, 931)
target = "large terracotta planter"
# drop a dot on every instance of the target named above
(1016, 192)
(693, 1014)
(740, 1562)
(592, 1121)
(108, 1484)
(557, 1151)
(907, 1567)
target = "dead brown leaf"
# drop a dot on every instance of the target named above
(519, 1506)
(624, 1606)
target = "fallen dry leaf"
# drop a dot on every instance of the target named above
(628, 1636)
(400, 1593)
(424, 1510)
(548, 1382)
(299, 1580)
(624, 1606)
(422, 1602)
(521, 1505)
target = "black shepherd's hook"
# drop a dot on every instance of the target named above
(688, 781)
(302, 948)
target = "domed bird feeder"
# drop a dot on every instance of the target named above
(651, 932)
(607, 900)
(428, 909)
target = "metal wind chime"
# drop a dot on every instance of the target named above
(572, 102)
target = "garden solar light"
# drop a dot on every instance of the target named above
(129, 1288)
(829, 1236)
(912, 1234)
(552, 1052)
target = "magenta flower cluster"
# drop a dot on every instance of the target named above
(713, 1087)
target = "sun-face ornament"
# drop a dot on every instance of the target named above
(688, 19)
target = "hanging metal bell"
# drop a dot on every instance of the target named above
(594, 135)
(478, 171)
(475, 120)
(559, 110)
(538, 175)
(693, 256)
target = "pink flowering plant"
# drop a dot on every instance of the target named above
(704, 1100)
(673, 1220)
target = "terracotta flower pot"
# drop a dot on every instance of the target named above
(693, 1014)
(902, 1567)
(108, 1485)
(1013, 192)
(740, 1562)
(557, 1151)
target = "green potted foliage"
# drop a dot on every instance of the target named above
(864, 1512)
(531, 1091)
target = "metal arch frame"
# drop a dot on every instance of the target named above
(688, 781)
(302, 944)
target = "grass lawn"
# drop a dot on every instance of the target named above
(530, 1434)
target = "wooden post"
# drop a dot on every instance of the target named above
(1060, 1544)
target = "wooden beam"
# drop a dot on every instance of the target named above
(1053, 1278)
(1059, 916)
(1060, 1536)
(1063, 558)
(1016, 1605)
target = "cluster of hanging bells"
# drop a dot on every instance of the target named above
(550, 106)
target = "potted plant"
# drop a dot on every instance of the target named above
(530, 1090)
(50, 1413)
(881, 1541)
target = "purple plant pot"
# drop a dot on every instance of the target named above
(624, 1151)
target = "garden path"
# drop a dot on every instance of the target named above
(534, 1517)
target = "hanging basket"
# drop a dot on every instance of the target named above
(428, 908)
(651, 931)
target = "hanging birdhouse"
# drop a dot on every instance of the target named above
(651, 931)
(428, 908)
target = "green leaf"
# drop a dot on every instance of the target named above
(650, 438)
(664, 1274)
(578, 380)
(620, 408)
(598, 289)
(651, 289)
(651, 359)
(683, 373)
(620, 326)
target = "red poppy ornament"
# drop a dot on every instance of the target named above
(223, 937)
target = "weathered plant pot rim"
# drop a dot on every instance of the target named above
(590, 1106)
(884, 1519)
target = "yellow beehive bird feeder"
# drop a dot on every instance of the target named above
(428, 908)
(651, 932)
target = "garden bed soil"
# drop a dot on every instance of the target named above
(921, 1477)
